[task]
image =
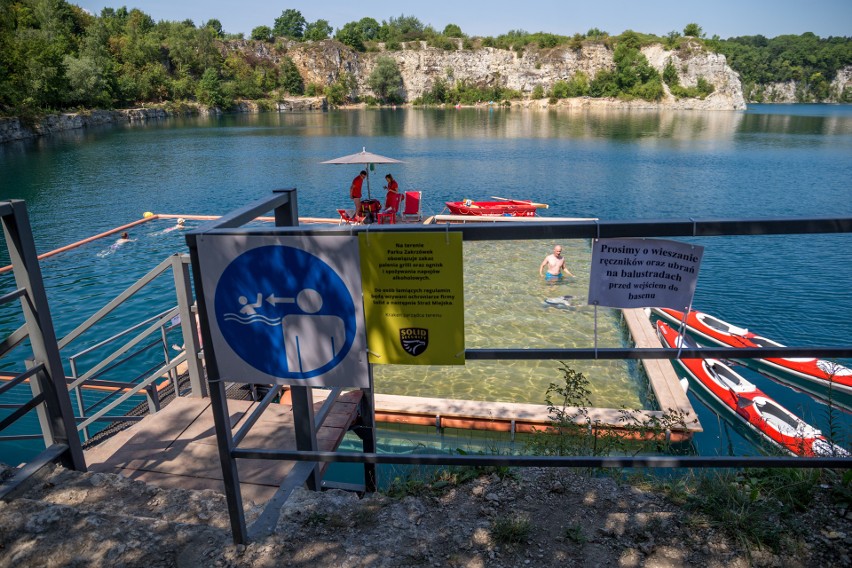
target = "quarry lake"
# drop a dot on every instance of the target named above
(770, 161)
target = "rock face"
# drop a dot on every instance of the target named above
(15, 129)
(792, 91)
(322, 63)
(421, 66)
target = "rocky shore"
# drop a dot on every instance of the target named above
(14, 128)
(530, 518)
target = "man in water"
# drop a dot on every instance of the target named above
(555, 264)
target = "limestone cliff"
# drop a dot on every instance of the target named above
(795, 92)
(421, 66)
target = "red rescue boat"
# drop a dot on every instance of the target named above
(751, 406)
(507, 208)
(826, 380)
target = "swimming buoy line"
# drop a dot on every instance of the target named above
(146, 216)
(86, 240)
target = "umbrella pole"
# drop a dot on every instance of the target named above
(368, 182)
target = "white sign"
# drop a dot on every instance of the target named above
(285, 310)
(638, 273)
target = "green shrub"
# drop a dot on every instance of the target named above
(511, 530)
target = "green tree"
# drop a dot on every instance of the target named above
(672, 38)
(290, 24)
(369, 28)
(216, 26)
(210, 91)
(452, 30)
(262, 33)
(385, 80)
(338, 92)
(238, 78)
(403, 28)
(290, 78)
(350, 34)
(88, 81)
(596, 35)
(693, 30)
(318, 31)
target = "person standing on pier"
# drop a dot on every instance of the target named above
(392, 198)
(355, 190)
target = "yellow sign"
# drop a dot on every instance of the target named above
(413, 297)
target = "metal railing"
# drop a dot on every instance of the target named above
(151, 334)
(139, 355)
(285, 206)
(45, 375)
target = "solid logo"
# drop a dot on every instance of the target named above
(414, 340)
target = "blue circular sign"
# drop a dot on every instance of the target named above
(285, 312)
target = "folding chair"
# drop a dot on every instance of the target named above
(412, 205)
(348, 217)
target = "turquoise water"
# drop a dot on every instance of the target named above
(771, 161)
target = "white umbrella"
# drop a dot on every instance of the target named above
(363, 158)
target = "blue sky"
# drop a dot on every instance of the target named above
(726, 18)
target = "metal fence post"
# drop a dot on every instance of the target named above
(189, 327)
(61, 426)
(287, 215)
(219, 409)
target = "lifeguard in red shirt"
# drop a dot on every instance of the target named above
(355, 190)
(392, 198)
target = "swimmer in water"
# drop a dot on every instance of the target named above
(181, 224)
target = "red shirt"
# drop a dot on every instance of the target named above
(355, 189)
(392, 198)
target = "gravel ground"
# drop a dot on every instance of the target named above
(532, 518)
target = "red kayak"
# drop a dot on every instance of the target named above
(508, 208)
(744, 401)
(824, 379)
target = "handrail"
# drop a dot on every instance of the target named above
(121, 333)
(545, 461)
(22, 377)
(581, 353)
(21, 411)
(11, 296)
(50, 398)
(13, 340)
(147, 382)
(115, 302)
(123, 349)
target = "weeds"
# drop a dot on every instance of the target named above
(754, 506)
(574, 433)
(575, 534)
(512, 531)
(315, 518)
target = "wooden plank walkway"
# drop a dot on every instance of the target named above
(661, 374)
(176, 448)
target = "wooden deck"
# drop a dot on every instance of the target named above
(176, 448)
(661, 374)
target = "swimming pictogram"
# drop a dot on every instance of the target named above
(294, 319)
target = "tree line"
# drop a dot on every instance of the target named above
(56, 56)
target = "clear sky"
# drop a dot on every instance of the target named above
(727, 18)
